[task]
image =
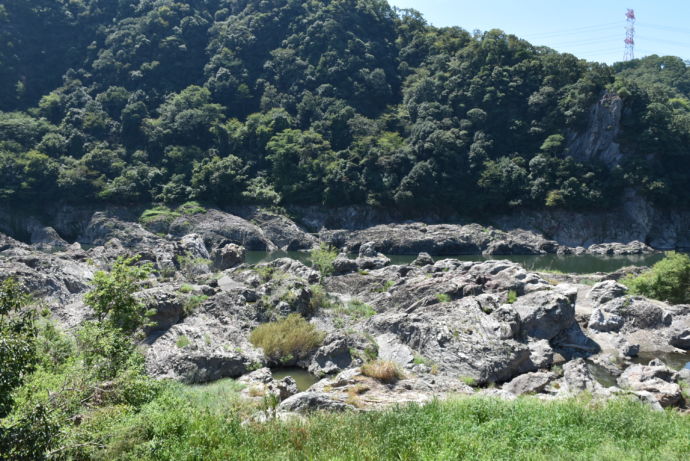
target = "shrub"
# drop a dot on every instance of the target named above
(291, 337)
(383, 370)
(668, 280)
(322, 258)
(112, 296)
(512, 297)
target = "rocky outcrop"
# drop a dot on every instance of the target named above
(529, 383)
(306, 402)
(283, 232)
(657, 380)
(218, 228)
(228, 256)
(543, 315)
(439, 239)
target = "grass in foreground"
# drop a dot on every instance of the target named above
(185, 424)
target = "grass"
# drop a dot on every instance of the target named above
(184, 424)
(292, 337)
(382, 370)
(164, 213)
(182, 342)
(512, 297)
(443, 298)
(468, 380)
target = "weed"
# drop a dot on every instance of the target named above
(293, 336)
(383, 370)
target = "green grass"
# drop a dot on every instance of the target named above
(182, 342)
(291, 337)
(443, 298)
(185, 424)
(512, 297)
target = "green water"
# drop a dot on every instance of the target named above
(675, 360)
(303, 378)
(571, 264)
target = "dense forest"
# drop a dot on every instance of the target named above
(306, 102)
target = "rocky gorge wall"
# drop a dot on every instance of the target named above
(636, 225)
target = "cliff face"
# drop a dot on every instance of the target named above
(598, 141)
(634, 220)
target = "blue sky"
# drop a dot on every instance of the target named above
(590, 29)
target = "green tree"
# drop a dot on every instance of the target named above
(17, 340)
(112, 296)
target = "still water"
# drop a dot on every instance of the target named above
(583, 264)
(303, 378)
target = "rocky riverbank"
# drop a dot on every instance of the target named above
(264, 231)
(488, 327)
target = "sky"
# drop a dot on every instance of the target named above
(589, 29)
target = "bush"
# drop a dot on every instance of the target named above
(292, 337)
(112, 296)
(322, 258)
(668, 280)
(383, 370)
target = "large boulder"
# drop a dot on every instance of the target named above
(306, 402)
(218, 228)
(529, 383)
(604, 292)
(228, 256)
(332, 357)
(544, 314)
(578, 378)
(603, 321)
(458, 337)
(283, 232)
(680, 337)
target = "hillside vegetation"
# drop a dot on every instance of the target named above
(305, 102)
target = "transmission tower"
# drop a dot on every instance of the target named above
(629, 36)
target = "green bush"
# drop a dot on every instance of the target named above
(112, 296)
(668, 280)
(17, 341)
(292, 337)
(322, 258)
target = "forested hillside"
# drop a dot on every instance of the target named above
(305, 102)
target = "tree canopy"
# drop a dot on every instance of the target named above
(331, 102)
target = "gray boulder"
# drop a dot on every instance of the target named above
(228, 256)
(218, 228)
(658, 380)
(604, 292)
(680, 337)
(306, 402)
(544, 314)
(603, 321)
(577, 377)
(423, 259)
(332, 357)
(529, 383)
(344, 265)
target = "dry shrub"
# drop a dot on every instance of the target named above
(382, 370)
(287, 339)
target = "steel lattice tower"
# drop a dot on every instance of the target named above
(629, 36)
